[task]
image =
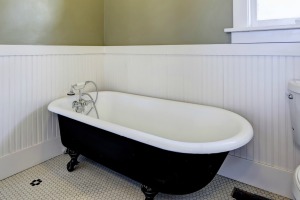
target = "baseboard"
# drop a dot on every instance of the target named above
(262, 176)
(19, 161)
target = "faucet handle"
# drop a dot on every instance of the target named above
(77, 107)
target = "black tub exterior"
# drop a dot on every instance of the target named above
(161, 170)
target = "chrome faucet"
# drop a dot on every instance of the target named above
(79, 105)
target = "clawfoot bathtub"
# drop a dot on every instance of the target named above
(168, 146)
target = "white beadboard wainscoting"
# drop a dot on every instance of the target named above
(31, 77)
(250, 80)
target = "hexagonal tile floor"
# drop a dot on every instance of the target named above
(92, 181)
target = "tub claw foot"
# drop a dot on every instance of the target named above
(67, 151)
(73, 162)
(148, 192)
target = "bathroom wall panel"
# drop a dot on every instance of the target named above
(252, 89)
(29, 84)
(203, 77)
(183, 78)
(258, 92)
(276, 108)
(253, 86)
(115, 69)
(192, 70)
(289, 74)
(176, 66)
(297, 75)
(142, 75)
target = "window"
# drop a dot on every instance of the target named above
(257, 21)
(274, 12)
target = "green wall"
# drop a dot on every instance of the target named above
(151, 22)
(114, 22)
(52, 22)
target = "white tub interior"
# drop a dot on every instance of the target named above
(169, 119)
(170, 125)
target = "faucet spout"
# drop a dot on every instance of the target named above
(79, 106)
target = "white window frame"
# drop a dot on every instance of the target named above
(245, 31)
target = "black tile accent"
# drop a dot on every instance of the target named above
(239, 194)
(36, 182)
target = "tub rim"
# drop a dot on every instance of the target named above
(229, 144)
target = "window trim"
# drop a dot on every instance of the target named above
(244, 32)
